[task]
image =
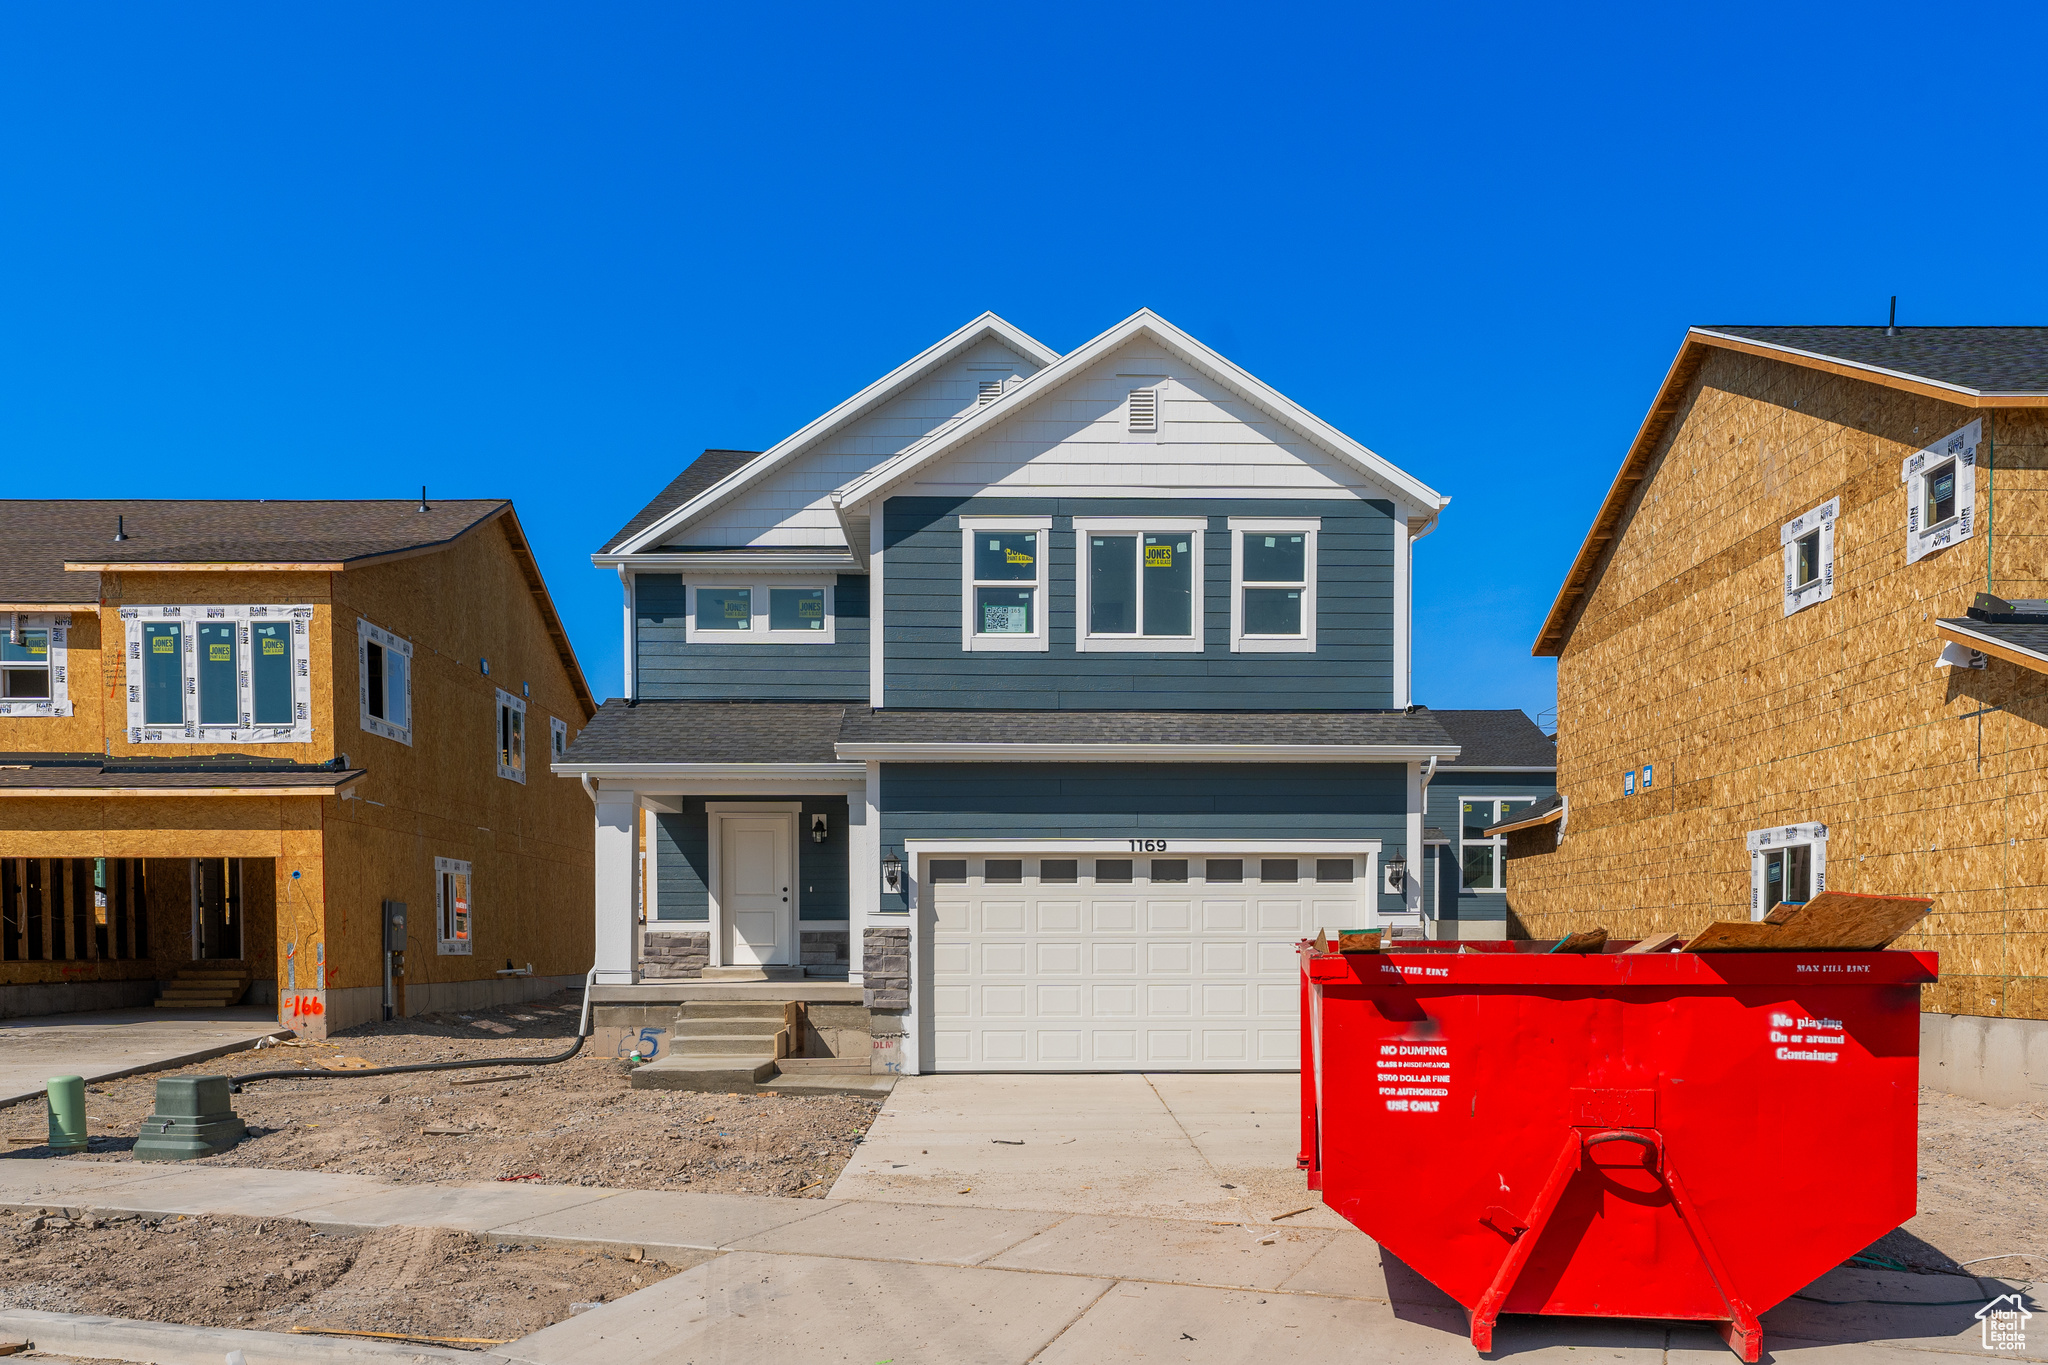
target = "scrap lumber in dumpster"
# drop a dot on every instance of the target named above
(1366, 942)
(1663, 943)
(1585, 941)
(1837, 921)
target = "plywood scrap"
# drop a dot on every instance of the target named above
(1322, 942)
(1834, 921)
(1366, 942)
(1661, 944)
(1584, 941)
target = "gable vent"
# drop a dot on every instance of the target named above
(1144, 409)
(991, 390)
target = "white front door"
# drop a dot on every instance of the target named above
(755, 871)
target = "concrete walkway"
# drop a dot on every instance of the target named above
(853, 1282)
(101, 1045)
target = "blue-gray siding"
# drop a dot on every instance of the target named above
(1444, 804)
(670, 667)
(682, 860)
(1251, 801)
(1351, 667)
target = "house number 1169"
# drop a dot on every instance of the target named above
(1148, 845)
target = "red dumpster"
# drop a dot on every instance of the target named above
(1644, 1135)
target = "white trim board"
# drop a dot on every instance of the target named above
(785, 450)
(1158, 753)
(915, 850)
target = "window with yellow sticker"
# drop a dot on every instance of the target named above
(218, 673)
(1140, 583)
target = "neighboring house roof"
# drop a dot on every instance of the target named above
(1542, 813)
(656, 733)
(57, 548)
(698, 475)
(658, 529)
(901, 733)
(1497, 739)
(67, 774)
(1972, 367)
(1420, 497)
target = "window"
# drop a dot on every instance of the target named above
(1003, 582)
(1061, 870)
(1003, 872)
(761, 614)
(1279, 869)
(1788, 864)
(199, 673)
(1112, 869)
(1144, 409)
(1223, 870)
(558, 738)
(948, 870)
(1140, 584)
(1484, 856)
(1941, 492)
(1335, 869)
(452, 931)
(34, 667)
(383, 682)
(1273, 585)
(1169, 869)
(1809, 542)
(511, 736)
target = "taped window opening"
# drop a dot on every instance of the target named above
(454, 910)
(511, 736)
(218, 673)
(1941, 492)
(1788, 865)
(1809, 548)
(384, 678)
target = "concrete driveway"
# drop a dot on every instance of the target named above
(102, 1044)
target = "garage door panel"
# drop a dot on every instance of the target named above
(1135, 976)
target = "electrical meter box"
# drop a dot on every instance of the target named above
(394, 926)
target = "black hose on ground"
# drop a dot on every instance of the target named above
(235, 1083)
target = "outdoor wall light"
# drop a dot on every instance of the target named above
(892, 875)
(817, 829)
(1397, 876)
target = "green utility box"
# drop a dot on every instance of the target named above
(194, 1117)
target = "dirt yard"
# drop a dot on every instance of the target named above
(577, 1122)
(1982, 1171)
(275, 1275)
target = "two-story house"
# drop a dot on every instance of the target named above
(1801, 648)
(234, 735)
(1052, 698)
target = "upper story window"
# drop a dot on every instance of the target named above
(34, 667)
(1788, 864)
(558, 738)
(1140, 584)
(1003, 582)
(1941, 492)
(452, 906)
(1483, 856)
(208, 674)
(383, 682)
(760, 613)
(1809, 542)
(1273, 584)
(511, 736)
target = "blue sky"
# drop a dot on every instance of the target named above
(550, 253)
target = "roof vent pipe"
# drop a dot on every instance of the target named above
(1891, 328)
(423, 499)
(120, 528)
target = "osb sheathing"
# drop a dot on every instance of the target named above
(1681, 657)
(529, 845)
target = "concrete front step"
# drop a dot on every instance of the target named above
(763, 1010)
(703, 1073)
(721, 1045)
(831, 1083)
(793, 1066)
(744, 1026)
(752, 974)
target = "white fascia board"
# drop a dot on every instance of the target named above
(640, 773)
(975, 844)
(779, 454)
(1158, 753)
(1403, 486)
(808, 562)
(1450, 770)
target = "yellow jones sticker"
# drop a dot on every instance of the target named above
(220, 654)
(810, 607)
(1017, 557)
(164, 644)
(273, 646)
(38, 649)
(735, 611)
(1158, 556)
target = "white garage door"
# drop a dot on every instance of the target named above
(1116, 964)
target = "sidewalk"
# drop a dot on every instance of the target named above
(101, 1045)
(857, 1281)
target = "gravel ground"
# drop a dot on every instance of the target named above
(575, 1123)
(273, 1275)
(1982, 1173)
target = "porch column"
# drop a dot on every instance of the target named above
(1411, 885)
(617, 864)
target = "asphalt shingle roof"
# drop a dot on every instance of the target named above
(1497, 739)
(893, 726)
(2032, 637)
(1524, 817)
(707, 732)
(44, 770)
(42, 535)
(1987, 359)
(707, 469)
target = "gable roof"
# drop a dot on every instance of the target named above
(56, 549)
(1497, 739)
(1146, 323)
(1972, 367)
(698, 475)
(641, 536)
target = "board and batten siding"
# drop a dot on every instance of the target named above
(1352, 666)
(682, 861)
(1444, 808)
(1256, 802)
(791, 506)
(668, 667)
